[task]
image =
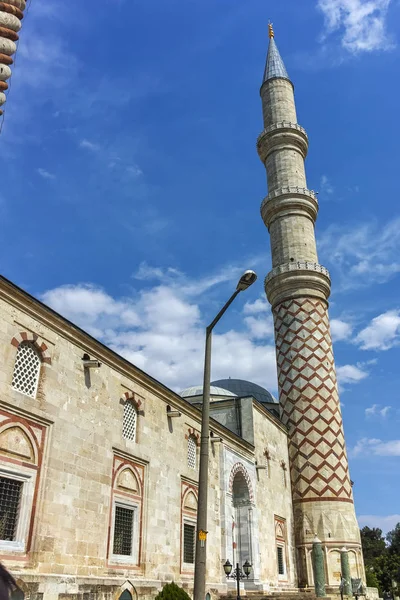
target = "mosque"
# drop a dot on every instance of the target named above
(99, 461)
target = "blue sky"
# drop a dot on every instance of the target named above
(131, 190)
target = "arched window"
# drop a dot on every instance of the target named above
(26, 369)
(191, 452)
(129, 421)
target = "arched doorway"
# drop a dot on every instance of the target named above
(243, 512)
(126, 595)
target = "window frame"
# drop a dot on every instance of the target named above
(133, 558)
(193, 523)
(192, 438)
(134, 407)
(33, 346)
(28, 479)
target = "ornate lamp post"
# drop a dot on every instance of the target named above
(237, 574)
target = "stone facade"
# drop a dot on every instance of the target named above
(298, 289)
(84, 447)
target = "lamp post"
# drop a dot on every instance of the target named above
(237, 574)
(246, 280)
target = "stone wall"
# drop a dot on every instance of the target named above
(67, 442)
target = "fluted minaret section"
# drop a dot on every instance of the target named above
(298, 288)
(11, 14)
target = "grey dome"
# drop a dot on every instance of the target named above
(197, 390)
(242, 388)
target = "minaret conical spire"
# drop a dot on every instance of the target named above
(274, 66)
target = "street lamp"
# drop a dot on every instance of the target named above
(237, 574)
(246, 280)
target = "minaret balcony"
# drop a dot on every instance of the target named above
(297, 279)
(289, 201)
(282, 135)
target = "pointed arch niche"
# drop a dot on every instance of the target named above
(22, 444)
(242, 511)
(124, 544)
(127, 591)
(189, 499)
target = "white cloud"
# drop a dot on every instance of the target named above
(362, 23)
(198, 286)
(376, 447)
(326, 186)
(134, 170)
(89, 145)
(382, 333)
(350, 374)
(259, 306)
(386, 523)
(340, 330)
(363, 254)
(376, 410)
(160, 329)
(260, 328)
(46, 174)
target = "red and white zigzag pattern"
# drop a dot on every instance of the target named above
(310, 402)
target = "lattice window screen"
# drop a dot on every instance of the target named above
(26, 369)
(191, 450)
(129, 421)
(10, 500)
(188, 543)
(123, 531)
(281, 560)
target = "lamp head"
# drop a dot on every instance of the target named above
(246, 280)
(227, 568)
(247, 568)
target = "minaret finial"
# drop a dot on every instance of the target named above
(271, 32)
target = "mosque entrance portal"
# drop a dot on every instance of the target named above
(242, 526)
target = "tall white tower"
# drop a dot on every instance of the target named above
(298, 288)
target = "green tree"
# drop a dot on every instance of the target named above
(372, 579)
(373, 544)
(387, 569)
(393, 537)
(171, 591)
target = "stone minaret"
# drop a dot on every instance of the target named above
(298, 288)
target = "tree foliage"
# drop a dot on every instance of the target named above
(393, 537)
(171, 591)
(381, 557)
(373, 544)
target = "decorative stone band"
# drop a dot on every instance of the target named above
(9, 21)
(41, 347)
(12, 10)
(21, 4)
(297, 280)
(5, 72)
(11, 13)
(9, 34)
(283, 134)
(289, 201)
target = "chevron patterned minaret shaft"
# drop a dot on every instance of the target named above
(298, 288)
